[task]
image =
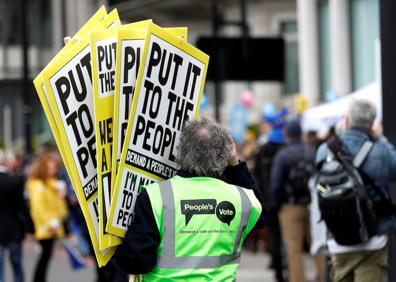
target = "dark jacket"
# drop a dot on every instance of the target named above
(138, 252)
(264, 160)
(13, 210)
(283, 163)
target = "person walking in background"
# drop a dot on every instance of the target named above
(368, 260)
(47, 207)
(264, 159)
(291, 170)
(13, 214)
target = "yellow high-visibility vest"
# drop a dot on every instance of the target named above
(202, 222)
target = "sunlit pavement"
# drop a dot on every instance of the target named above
(253, 267)
(59, 269)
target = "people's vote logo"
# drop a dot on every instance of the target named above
(225, 211)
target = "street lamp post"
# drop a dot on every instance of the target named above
(27, 101)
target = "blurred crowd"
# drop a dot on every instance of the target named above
(289, 165)
(287, 232)
(37, 198)
(37, 201)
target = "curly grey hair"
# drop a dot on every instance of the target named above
(204, 148)
(361, 113)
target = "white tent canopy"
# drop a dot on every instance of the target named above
(322, 117)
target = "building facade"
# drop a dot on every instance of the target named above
(47, 23)
(339, 46)
(331, 46)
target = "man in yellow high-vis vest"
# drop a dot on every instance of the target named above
(192, 226)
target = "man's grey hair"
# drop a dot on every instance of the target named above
(204, 148)
(361, 113)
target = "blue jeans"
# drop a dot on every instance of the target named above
(15, 250)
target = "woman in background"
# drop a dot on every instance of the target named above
(47, 207)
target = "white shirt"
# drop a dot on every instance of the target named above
(377, 242)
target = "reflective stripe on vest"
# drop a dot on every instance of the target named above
(168, 258)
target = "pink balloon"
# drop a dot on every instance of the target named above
(247, 98)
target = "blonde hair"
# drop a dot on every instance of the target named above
(39, 168)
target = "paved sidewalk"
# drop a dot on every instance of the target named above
(253, 267)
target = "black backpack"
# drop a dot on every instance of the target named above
(299, 175)
(343, 201)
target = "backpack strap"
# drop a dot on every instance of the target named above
(336, 148)
(297, 156)
(363, 153)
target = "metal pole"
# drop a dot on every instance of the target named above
(245, 30)
(245, 36)
(388, 70)
(7, 127)
(27, 107)
(215, 62)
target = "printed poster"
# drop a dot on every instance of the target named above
(42, 92)
(129, 52)
(103, 50)
(68, 81)
(169, 87)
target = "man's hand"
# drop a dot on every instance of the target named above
(66, 39)
(233, 160)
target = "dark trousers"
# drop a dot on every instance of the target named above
(275, 246)
(45, 256)
(15, 250)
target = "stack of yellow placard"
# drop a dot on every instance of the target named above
(116, 97)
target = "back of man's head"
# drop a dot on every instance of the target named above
(361, 114)
(293, 130)
(204, 148)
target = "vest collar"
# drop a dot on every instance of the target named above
(186, 174)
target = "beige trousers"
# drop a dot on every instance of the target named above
(295, 227)
(364, 266)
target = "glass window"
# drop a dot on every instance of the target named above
(289, 32)
(38, 22)
(15, 26)
(365, 34)
(324, 48)
(45, 31)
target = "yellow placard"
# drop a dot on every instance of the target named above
(68, 81)
(181, 32)
(42, 92)
(103, 58)
(103, 49)
(43, 95)
(129, 53)
(169, 87)
(129, 50)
